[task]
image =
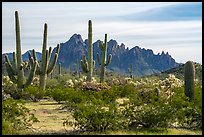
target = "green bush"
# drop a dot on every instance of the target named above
(94, 115)
(64, 94)
(16, 119)
(188, 114)
(33, 93)
(157, 112)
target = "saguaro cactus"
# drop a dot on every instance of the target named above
(16, 69)
(78, 68)
(102, 62)
(89, 66)
(189, 76)
(44, 68)
(130, 71)
(59, 68)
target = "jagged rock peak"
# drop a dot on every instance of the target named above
(162, 53)
(76, 38)
(113, 42)
(122, 45)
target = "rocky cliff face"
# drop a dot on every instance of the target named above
(144, 61)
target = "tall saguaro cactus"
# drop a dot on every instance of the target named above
(16, 71)
(44, 68)
(189, 76)
(102, 62)
(88, 66)
(130, 71)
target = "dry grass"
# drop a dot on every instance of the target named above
(50, 115)
(149, 132)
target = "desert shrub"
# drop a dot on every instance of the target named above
(16, 119)
(128, 91)
(96, 116)
(33, 93)
(157, 113)
(110, 95)
(9, 87)
(61, 94)
(187, 114)
(123, 106)
(52, 83)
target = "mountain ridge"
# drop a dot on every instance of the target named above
(144, 61)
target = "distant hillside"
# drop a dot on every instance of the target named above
(179, 72)
(24, 56)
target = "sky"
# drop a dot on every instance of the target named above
(173, 27)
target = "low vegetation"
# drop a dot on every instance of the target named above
(126, 105)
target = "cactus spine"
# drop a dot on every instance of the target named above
(18, 66)
(130, 71)
(88, 66)
(189, 75)
(103, 63)
(44, 68)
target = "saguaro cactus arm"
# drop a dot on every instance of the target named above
(84, 66)
(51, 68)
(10, 74)
(94, 64)
(14, 62)
(98, 59)
(32, 60)
(50, 50)
(31, 73)
(9, 66)
(109, 60)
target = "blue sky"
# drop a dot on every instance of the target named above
(172, 27)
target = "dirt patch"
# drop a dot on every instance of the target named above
(50, 115)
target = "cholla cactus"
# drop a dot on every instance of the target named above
(105, 108)
(5, 80)
(36, 81)
(172, 81)
(69, 84)
(122, 100)
(94, 80)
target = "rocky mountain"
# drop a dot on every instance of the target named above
(144, 61)
(24, 56)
